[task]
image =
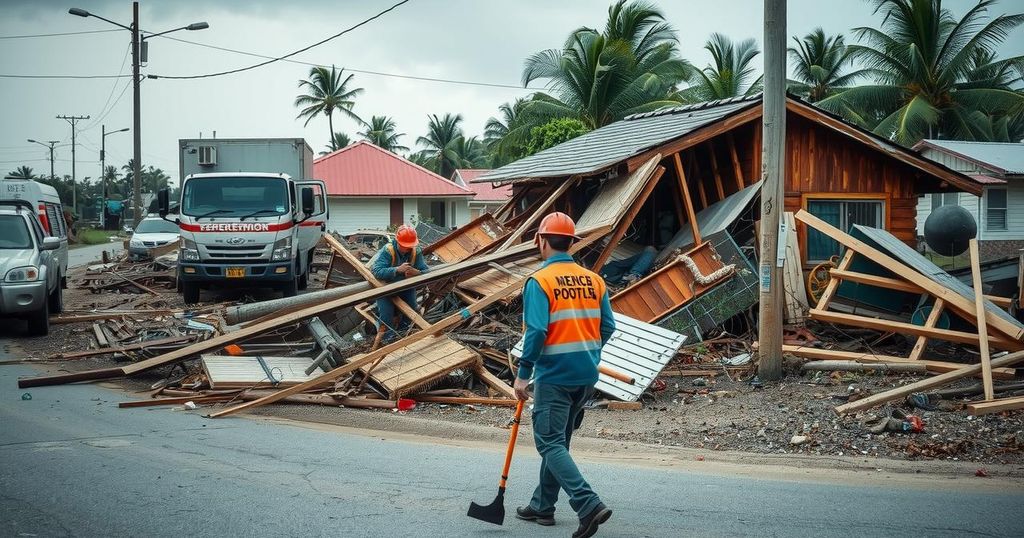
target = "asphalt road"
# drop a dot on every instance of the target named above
(73, 464)
(91, 253)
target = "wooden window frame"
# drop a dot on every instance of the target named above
(1004, 209)
(883, 197)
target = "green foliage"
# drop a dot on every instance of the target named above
(92, 236)
(338, 141)
(553, 133)
(935, 75)
(382, 132)
(731, 73)
(819, 63)
(22, 172)
(447, 148)
(327, 91)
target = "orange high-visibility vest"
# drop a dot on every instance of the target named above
(574, 306)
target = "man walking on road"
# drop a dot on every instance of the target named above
(568, 319)
(399, 258)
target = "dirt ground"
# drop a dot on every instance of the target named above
(794, 416)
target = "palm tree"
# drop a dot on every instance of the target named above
(22, 172)
(441, 144)
(731, 73)
(470, 153)
(326, 92)
(506, 137)
(600, 77)
(382, 132)
(819, 62)
(338, 141)
(928, 81)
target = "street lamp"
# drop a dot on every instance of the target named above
(103, 171)
(137, 40)
(48, 144)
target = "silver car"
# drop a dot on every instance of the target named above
(31, 285)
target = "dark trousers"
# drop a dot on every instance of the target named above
(557, 412)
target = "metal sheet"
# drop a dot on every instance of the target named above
(636, 348)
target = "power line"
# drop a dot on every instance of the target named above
(304, 49)
(361, 71)
(113, 88)
(63, 76)
(57, 34)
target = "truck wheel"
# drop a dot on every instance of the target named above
(303, 280)
(56, 300)
(190, 291)
(39, 322)
(290, 288)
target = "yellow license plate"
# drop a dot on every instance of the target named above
(236, 272)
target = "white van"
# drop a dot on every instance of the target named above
(50, 209)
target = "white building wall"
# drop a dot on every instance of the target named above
(351, 214)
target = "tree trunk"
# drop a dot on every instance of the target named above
(330, 125)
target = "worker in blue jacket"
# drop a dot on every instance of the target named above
(400, 258)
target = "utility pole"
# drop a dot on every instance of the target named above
(136, 118)
(772, 191)
(49, 145)
(74, 192)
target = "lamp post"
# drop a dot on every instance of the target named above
(137, 50)
(103, 172)
(48, 144)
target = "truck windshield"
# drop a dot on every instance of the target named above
(235, 196)
(156, 226)
(14, 233)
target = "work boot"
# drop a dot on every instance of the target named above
(527, 513)
(590, 522)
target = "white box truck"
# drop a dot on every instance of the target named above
(254, 226)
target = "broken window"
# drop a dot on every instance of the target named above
(995, 212)
(842, 214)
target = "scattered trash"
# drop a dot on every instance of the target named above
(26, 396)
(798, 440)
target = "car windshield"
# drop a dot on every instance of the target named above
(14, 232)
(156, 226)
(235, 196)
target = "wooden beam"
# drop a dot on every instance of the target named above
(939, 367)
(756, 174)
(367, 275)
(124, 348)
(952, 298)
(462, 400)
(700, 135)
(494, 382)
(627, 219)
(538, 213)
(714, 169)
(511, 203)
(996, 406)
(833, 284)
(737, 170)
(902, 285)
(979, 309)
(933, 319)
(101, 338)
(925, 384)
(380, 353)
(885, 325)
(76, 318)
(687, 200)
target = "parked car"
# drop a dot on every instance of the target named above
(29, 263)
(151, 233)
(50, 212)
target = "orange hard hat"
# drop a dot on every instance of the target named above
(557, 223)
(406, 236)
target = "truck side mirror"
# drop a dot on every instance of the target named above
(307, 201)
(163, 202)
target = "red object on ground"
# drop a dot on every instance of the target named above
(233, 350)
(981, 472)
(405, 404)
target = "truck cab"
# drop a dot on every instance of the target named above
(248, 229)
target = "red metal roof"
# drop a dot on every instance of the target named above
(485, 192)
(363, 169)
(986, 180)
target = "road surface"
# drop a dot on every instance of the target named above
(73, 464)
(91, 253)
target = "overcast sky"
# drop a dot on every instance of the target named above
(470, 40)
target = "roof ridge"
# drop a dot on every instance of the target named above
(941, 141)
(403, 160)
(694, 106)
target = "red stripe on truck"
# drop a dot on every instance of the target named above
(214, 227)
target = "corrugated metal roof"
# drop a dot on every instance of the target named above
(363, 169)
(485, 192)
(637, 349)
(1001, 157)
(713, 219)
(910, 257)
(986, 180)
(618, 141)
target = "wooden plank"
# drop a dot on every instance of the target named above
(276, 322)
(616, 196)
(460, 400)
(136, 284)
(367, 275)
(885, 325)
(952, 298)
(538, 213)
(833, 284)
(231, 372)
(737, 170)
(627, 219)
(687, 200)
(933, 319)
(495, 382)
(979, 309)
(714, 169)
(933, 366)
(101, 338)
(124, 348)
(925, 384)
(996, 406)
(902, 285)
(102, 315)
(793, 281)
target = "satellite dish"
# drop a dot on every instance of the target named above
(949, 229)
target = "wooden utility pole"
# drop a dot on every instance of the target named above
(73, 120)
(772, 191)
(136, 119)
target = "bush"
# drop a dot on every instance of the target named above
(554, 133)
(92, 236)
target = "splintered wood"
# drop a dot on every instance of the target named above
(479, 235)
(420, 363)
(228, 372)
(495, 279)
